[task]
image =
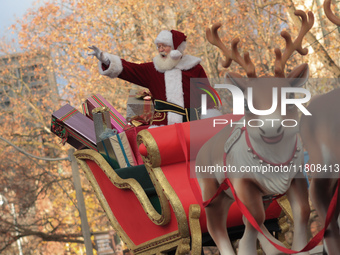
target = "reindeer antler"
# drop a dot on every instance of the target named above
(281, 60)
(330, 15)
(245, 62)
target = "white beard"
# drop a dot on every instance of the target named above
(164, 64)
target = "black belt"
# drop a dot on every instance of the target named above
(189, 114)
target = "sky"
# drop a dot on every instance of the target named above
(10, 10)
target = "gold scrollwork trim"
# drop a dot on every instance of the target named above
(171, 104)
(195, 228)
(90, 177)
(184, 247)
(284, 226)
(282, 221)
(178, 239)
(159, 245)
(132, 184)
(156, 114)
(157, 175)
(153, 157)
(285, 205)
(177, 112)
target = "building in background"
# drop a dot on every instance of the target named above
(26, 75)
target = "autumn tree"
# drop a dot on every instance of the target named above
(61, 31)
(324, 46)
(37, 194)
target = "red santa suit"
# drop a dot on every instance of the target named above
(170, 88)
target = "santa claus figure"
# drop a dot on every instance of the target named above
(167, 77)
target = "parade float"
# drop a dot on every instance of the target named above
(153, 202)
(146, 180)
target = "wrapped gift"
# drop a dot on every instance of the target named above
(138, 106)
(122, 150)
(85, 110)
(101, 119)
(74, 128)
(102, 127)
(114, 147)
(117, 120)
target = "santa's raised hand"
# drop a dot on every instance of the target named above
(98, 54)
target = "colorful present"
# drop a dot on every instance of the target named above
(114, 147)
(102, 127)
(101, 119)
(138, 104)
(142, 120)
(117, 120)
(74, 128)
(85, 110)
(122, 150)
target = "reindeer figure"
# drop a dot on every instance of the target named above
(320, 136)
(271, 144)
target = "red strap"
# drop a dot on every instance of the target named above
(312, 243)
(263, 159)
(224, 186)
(227, 184)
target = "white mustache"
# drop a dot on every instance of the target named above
(163, 54)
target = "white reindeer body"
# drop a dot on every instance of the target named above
(271, 141)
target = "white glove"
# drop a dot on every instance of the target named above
(99, 54)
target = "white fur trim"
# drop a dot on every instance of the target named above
(174, 93)
(211, 113)
(187, 62)
(175, 54)
(115, 68)
(182, 46)
(155, 126)
(165, 37)
(174, 118)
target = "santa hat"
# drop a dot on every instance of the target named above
(175, 39)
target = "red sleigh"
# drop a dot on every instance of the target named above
(155, 207)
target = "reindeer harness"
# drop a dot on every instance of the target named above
(231, 141)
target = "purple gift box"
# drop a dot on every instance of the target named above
(74, 128)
